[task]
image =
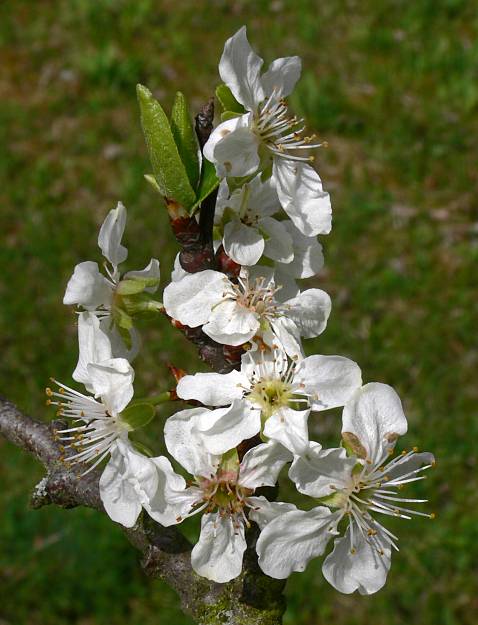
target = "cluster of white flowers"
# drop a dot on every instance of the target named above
(248, 424)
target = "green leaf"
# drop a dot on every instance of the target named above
(168, 167)
(209, 181)
(228, 101)
(185, 138)
(138, 414)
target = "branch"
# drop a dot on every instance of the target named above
(251, 599)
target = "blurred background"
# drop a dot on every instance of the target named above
(392, 86)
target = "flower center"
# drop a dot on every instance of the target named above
(373, 489)
(271, 395)
(256, 296)
(222, 494)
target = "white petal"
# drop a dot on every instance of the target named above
(178, 272)
(302, 197)
(127, 482)
(365, 570)
(281, 77)
(231, 324)
(218, 553)
(240, 68)
(233, 148)
(375, 415)
(160, 506)
(117, 494)
(93, 346)
(88, 287)
(151, 271)
(288, 336)
(191, 299)
(186, 446)
(308, 254)
(224, 199)
(224, 428)
(278, 242)
(141, 470)
(242, 243)
(111, 233)
(332, 380)
(262, 198)
(263, 511)
(262, 464)
(319, 473)
(289, 427)
(288, 286)
(112, 380)
(310, 311)
(212, 389)
(291, 540)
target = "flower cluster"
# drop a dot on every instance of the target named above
(251, 423)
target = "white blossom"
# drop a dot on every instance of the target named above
(270, 394)
(233, 313)
(266, 133)
(96, 422)
(98, 293)
(249, 228)
(352, 487)
(223, 490)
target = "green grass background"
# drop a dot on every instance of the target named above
(392, 86)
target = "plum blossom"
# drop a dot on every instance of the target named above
(267, 134)
(271, 395)
(96, 422)
(234, 313)
(223, 490)
(249, 228)
(104, 295)
(349, 488)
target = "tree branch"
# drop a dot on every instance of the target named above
(251, 599)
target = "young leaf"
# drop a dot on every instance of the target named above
(185, 138)
(228, 101)
(209, 181)
(168, 167)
